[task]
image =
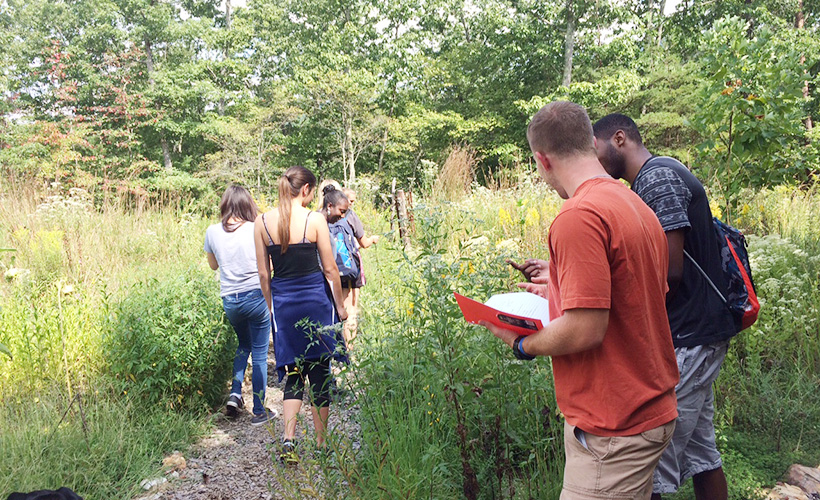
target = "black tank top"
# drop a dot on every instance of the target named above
(299, 259)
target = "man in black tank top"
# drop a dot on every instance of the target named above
(700, 322)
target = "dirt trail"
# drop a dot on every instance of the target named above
(236, 461)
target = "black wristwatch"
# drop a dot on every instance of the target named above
(519, 354)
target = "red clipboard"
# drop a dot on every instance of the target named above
(474, 311)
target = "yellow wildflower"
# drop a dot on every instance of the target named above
(715, 208)
(533, 218)
(504, 217)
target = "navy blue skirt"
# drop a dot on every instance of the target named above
(305, 324)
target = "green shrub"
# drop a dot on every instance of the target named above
(169, 340)
(183, 190)
(53, 336)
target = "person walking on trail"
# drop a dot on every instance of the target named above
(336, 209)
(305, 298)
(700, 322)
(613, 360)
(229, 247)
(364, 241)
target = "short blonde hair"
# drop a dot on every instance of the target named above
(561, 128)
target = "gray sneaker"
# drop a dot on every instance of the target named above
(263, 418)
(233, 405)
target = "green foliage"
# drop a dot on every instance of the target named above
(63, 422)
(111, 93)
(414, 344)
(752, 106)
(774, 364)
(605, 93)
(447, 411)
(52, 331)
(184, 189)
(169, 342)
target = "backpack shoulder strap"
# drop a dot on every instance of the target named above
(703, 273)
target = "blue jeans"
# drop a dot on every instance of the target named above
(250, 317)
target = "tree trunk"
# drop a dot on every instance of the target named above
(661, 8)
(466, 27)
(747, 16)
(799, 23)
(346, 144)
(350, 155)
(569, 44)
(225, 54)
(227, 14)
(149, 65)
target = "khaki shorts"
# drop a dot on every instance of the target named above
(600, 467)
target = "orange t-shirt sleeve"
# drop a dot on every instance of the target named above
(579, 243)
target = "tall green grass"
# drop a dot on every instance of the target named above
(99, 446)
(416, 355)
(444, 411)
(116, 339)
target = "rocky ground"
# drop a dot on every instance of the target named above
(240, 461)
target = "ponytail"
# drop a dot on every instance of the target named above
(291, 182)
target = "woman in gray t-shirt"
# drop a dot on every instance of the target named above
(230, 248)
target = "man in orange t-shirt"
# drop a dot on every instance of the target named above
(613, 360)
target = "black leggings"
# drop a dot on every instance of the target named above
(318, 373)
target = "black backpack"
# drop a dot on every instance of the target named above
(740, 297)
(61, 494)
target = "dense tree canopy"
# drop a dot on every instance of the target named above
(102, 93)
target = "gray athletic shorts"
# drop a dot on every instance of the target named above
(692, 449)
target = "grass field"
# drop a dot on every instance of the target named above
(118, 349)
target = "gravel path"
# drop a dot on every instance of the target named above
(240, 461)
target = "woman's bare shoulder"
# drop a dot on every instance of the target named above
(317, 219)
(268, 217)
(266, 220)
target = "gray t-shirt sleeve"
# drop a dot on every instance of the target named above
(207, 247)
(667, 195)
(356, 223)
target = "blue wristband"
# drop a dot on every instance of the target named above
(518, 350)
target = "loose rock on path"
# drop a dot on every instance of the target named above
(239, 461)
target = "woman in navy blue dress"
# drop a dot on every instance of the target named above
(305, 298)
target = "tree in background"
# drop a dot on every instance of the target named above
(752, 107)
(151, 89)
